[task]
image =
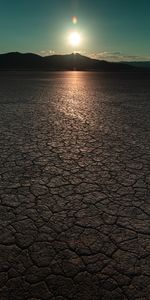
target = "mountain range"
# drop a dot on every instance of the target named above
(30, 61)
(141, 64)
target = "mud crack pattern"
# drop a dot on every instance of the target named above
(74, 186)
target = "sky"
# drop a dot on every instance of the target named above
(109, 29)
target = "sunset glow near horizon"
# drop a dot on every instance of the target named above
(110, 29)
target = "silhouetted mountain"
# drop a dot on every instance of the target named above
(16, 60)
(29, 61)
(141, 64)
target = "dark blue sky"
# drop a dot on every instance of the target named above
(113, 28)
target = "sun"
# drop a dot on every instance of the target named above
(74, 38)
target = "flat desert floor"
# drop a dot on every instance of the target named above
(74, 186)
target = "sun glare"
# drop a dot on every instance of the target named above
(74, 38)
(74, 20)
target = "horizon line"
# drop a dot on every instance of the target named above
(105, 56)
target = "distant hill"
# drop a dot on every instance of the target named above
(141, 64)
(30, 61)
